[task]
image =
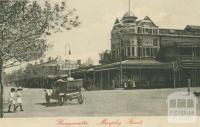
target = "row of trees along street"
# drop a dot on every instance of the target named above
(24, 28)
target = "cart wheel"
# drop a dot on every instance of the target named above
(61, 100)
(80, 99)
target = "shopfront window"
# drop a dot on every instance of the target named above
(185, 51)
(198, 51)
(154, 52)
(148, 52)
(139, 51)
(129, 51)
(133, 51)
(143, 52)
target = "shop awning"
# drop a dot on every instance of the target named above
(136, 64)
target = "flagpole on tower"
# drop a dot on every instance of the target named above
(129, 7)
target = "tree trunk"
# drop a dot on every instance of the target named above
(1, 88)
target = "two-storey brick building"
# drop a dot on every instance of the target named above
(149, 55)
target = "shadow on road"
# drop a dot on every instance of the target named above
(54, 104)
(8, 112)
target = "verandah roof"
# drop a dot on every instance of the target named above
(136, 64)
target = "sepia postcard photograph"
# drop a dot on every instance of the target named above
(106, 63)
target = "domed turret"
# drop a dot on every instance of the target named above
(129, 17)
(129, 14)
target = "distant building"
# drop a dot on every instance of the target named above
(44, 74)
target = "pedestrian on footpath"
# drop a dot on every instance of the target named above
(19, 99)
(12, 100)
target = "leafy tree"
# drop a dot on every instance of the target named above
(24, 27)
(16, 74)
(105, 57)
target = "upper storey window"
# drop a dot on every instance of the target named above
(147, 30)
(139, 42)
(139, 29)
(147, 26)
(155, 42)
(133, 29)
(155, 31)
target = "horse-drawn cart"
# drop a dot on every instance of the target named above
(64, 90)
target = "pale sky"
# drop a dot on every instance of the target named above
(97, 18)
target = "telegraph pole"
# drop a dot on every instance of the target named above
(129, 6)
(120, 64)
(175, 68)
(120, 59)
(69, 53)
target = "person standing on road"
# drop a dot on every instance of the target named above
(48, 93)
(12, 99)
(113, 83)
(19, 99)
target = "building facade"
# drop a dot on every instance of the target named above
(150, 56)
(44, 74)
(132, 39)
(142, 39)
(143, 53)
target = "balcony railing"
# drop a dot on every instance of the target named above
(189, 58)
(178, 32)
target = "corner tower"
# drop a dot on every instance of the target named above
(134, 39)
(123, 43)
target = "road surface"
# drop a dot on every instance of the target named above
(141, 102)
